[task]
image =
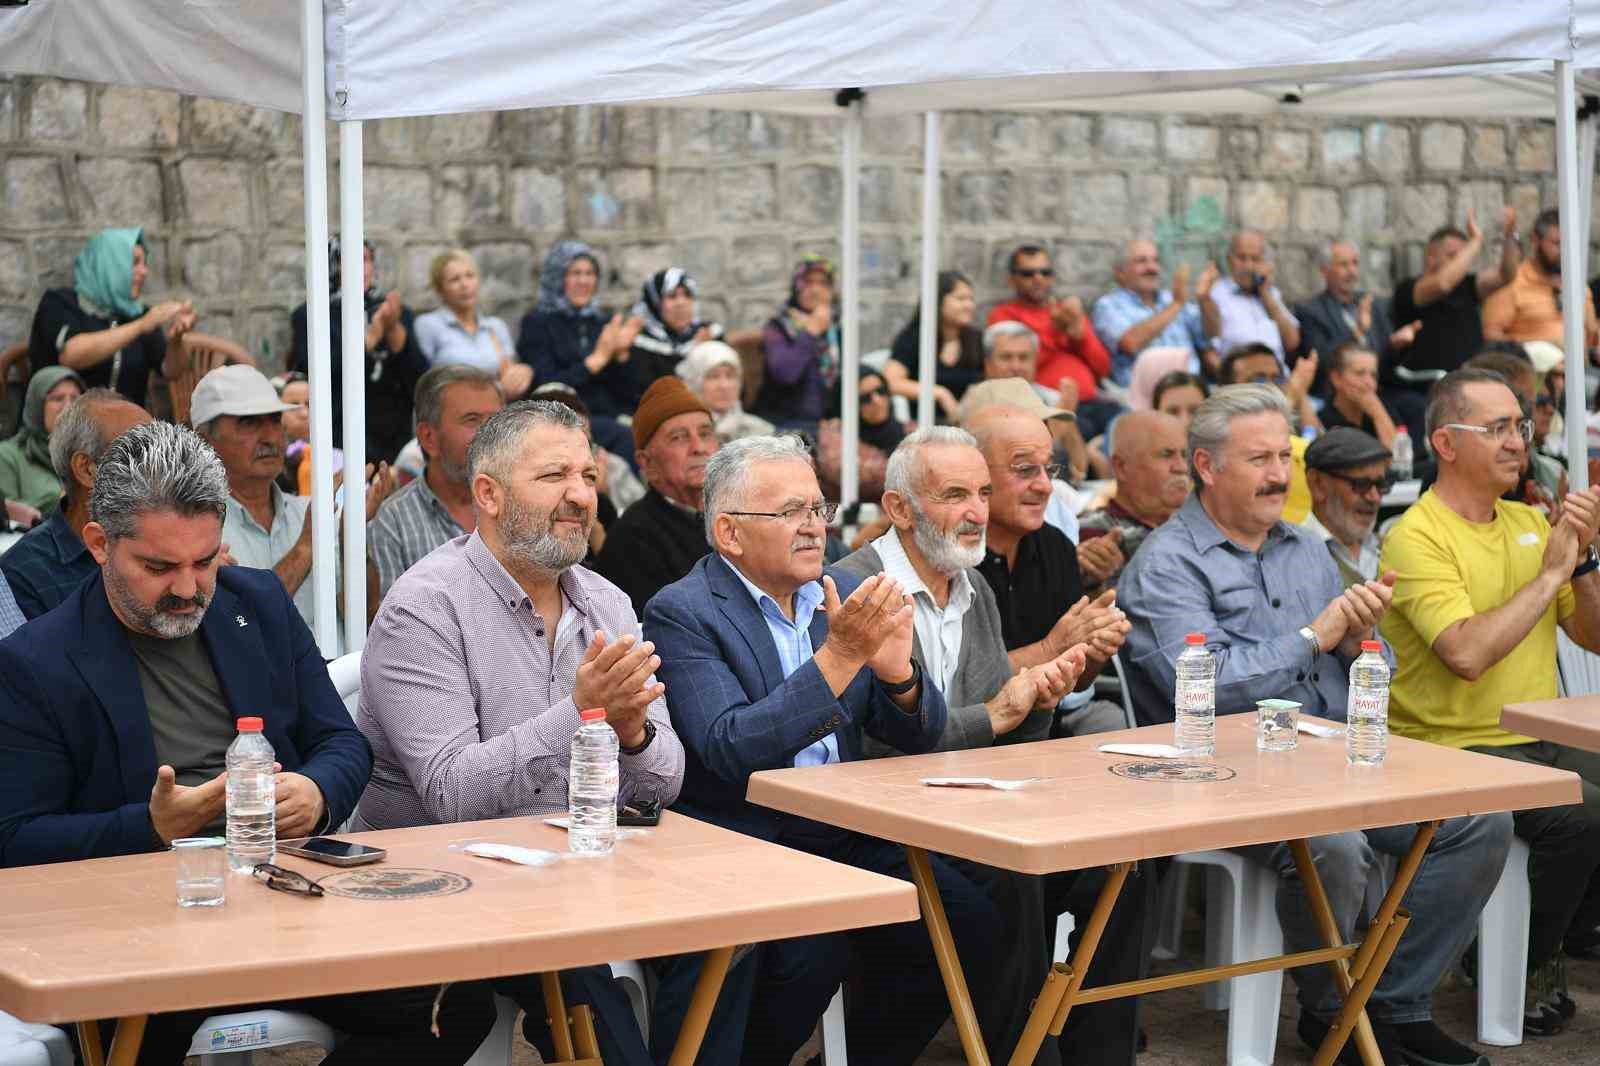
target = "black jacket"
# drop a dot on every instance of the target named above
(653, 544)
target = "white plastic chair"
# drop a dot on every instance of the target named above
(1241, 924)
(1503, 952)
(345, 673)
(29, 1044)
(231, 1038)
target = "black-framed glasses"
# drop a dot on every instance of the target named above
(1029, 471)
(1035, 272)
(1500, 429)
(281, 880)
(1364, 485)
(796, 515)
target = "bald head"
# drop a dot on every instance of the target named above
(1247, 254)
(84, 431)
(998, 423)
(1150, 458)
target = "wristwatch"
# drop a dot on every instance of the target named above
(1591, 563)
(904, 686)
(1310, 636)
(649, 735)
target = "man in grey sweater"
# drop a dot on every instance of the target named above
(937, 489)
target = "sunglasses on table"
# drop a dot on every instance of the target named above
(1364, 485)
(1036, 272)
(281, 880)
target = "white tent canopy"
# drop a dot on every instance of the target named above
(384, 58)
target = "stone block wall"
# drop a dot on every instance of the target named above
(734, 196)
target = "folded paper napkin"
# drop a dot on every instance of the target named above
(1144, 751)
(980, 782)
(1317, 729)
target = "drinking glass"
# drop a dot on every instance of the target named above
(1277, 725)
(202, 870)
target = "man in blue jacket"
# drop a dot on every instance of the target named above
(765, 666)
(117, 707)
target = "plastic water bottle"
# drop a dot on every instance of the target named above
(1403, 454)
(1194, 711)
(1366, 735)
(252, 799)
(592, 786)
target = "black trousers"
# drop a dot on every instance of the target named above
(1564, 849)
(382, 1027)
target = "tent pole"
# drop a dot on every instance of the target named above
(353, 326)
(1587, 133)
(850, 312)
(1572, 279)
(314, 148)
(928, 343)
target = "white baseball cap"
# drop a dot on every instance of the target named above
(238, 390)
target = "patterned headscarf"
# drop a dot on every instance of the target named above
(102, 275)
(656, 334)
(553, 278)
(828, 360)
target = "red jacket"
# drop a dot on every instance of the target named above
(1084, 360)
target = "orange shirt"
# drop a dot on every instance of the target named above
(1525, 309)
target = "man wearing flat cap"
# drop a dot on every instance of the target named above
(1347, 471)
(238, 412)
(662, 536)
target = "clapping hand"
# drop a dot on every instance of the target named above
(859, 626)
(1208, 278)
(1099, 558)
(616, 675)
(1067, 316)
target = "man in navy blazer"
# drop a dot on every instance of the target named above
(116, 708)
(765, 666)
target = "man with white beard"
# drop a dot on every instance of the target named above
(936, 494)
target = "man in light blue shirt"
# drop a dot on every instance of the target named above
(792, 638)
(1275, 614)
(1246, 307)
(1140, 314)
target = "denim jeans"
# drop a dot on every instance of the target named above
(1455, 880)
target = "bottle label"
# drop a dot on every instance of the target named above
(1369, 703)
(1196, 696)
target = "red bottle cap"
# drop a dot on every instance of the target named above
(1372, 645)
(1194, 639)
(250, 725)
(593, 714)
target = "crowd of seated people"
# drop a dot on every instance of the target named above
(673, 557)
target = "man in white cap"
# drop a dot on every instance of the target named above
(236, 409)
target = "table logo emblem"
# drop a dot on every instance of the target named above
(1166, 770)
(395, 882)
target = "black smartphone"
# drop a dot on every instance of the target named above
(331, 851)
(644, 813)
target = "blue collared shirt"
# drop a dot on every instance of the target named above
(1189, 577)
(793, 640)
(1121, 309)
(443, 339)
(47, 565)
(1245, 319)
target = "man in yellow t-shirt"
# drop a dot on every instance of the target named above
(1483, 583)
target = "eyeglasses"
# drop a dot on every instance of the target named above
(796, 515)
(280, 880)
(1267, 379)
(1364, 485)
(872, 394)
(1500, 429)
(1036, 272)
(1029, 471)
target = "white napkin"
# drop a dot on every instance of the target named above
(1317, 729)
(980, 782)
(511, 853)
(1144, 751)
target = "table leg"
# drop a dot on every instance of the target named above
(1115, 877)
(555, 1004)
(89, 1044)
(1039, 1017)
(944, 952)
(706, 990)
(1348, 974)
(584, 1038)
(125, 1044)
(1355, 1004)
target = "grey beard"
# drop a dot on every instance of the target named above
(944, 551)
(163, 624)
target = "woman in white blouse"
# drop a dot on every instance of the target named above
(457, 333)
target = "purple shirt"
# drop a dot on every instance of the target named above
(469, 710)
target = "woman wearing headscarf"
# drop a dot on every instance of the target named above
(671, 324)
(26, 474)
(958, 347)
(101, 329)
(713, 372)
(569, 338)
(801, 348)
(393, 360)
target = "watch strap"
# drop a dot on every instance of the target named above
(907, 685)
(649, 735)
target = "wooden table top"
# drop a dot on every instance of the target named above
(106, 937)
(1574, 721)
(1083, 814)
